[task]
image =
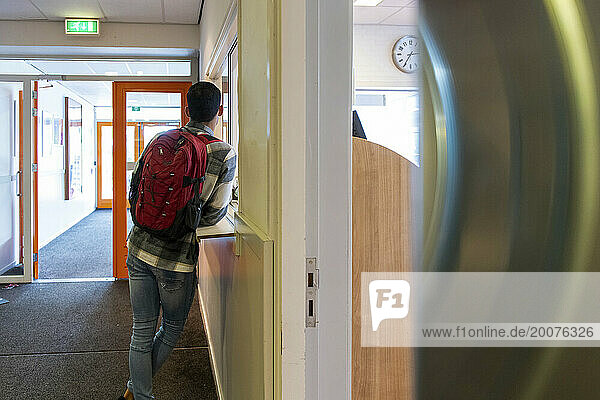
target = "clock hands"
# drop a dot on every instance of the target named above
(407, 58)
(412, 53)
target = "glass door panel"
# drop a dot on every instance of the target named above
(151, 107)
(151, 129)
(105, 159)
(11, 179)
(105, 151)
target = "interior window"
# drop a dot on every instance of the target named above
(391, 118)
(232, 97)
(230, 126)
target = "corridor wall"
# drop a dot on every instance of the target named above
(372, 59)
(56, 215)
(237, 277)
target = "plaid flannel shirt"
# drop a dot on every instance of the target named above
(182, 255)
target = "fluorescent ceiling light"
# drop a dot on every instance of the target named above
(367, 3)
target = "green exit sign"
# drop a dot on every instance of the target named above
(135, 108)
(82, 26)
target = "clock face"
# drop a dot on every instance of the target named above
(406, 54)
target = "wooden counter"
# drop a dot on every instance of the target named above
(224, 228)
(381, 242)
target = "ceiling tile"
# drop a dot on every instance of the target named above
(96, 93)
(372, 15)
(182, 11)
(406, 16)
(61, 9)
(19, 10)
(148, 11)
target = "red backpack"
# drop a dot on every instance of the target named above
(165, 190)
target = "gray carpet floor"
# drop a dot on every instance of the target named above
(71, 340)
(83, 251)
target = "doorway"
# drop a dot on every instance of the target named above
(15, 179)
(75, 225)
(27, 140)
(125, 95)
(11, 173)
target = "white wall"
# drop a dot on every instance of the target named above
(56, 215)
(216, 263)
(42, 33)
(373, 65)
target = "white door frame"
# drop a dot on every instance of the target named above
(329, 196)
(27, 180)
(27, 80)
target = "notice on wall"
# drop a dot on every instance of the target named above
(75, 151)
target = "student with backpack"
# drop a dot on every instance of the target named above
(182, 180)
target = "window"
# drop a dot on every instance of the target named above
(391, 118)
(232, 98)
(97, 67)
(230, 125)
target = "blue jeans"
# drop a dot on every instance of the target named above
(150, 289)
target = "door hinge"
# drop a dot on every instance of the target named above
(34, 167)
(34, 112)
(35, 257)
(312, 293)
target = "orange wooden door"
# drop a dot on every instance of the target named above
(120, 90)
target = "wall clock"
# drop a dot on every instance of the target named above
(406, 54)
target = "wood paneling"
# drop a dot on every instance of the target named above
(381, 242)
(237, 299)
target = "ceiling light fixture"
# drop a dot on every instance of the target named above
(367, 3)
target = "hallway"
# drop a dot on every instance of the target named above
(71, 340)
(83, 251)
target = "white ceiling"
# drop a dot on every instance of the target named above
(95, 93)
(388, 12)
(148, 11)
